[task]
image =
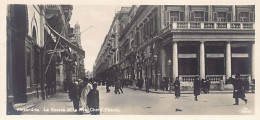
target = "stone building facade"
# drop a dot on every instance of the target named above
(38, 54)
(186, 41)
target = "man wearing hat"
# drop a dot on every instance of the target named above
(93, 100)
(239, 91)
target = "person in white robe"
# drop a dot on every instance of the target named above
(84, 93)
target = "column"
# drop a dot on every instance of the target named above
(253, 60)
(210, 13)
(228, 60)
(234, 12)
(202, 60)
(60, 82)
(175, 61)
(187, 12)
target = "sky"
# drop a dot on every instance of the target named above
(100, 17)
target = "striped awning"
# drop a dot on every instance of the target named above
(67, 42)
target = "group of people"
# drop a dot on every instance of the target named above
(118, 86)
(240, 87)
(85, 96)
(140, 82)
(205, 85)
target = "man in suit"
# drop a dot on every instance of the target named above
(176, 85)
(239, 91)
(93, 100)
(196, 86)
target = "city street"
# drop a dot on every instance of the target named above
(140, 103)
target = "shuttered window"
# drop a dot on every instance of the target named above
(229, 17)
(182, 16)
(192, 16)
(252, 17)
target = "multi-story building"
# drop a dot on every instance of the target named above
(106, 67)
(188, 41)
(79, 70)
(38, 54)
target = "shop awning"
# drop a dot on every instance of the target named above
(67, 42)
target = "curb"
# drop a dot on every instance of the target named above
(191, 92)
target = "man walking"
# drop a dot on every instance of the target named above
(107, 86)
(147, 85)
(176, 85)
(196, 90)
(239, 91)
(75, 95)
(93, 100)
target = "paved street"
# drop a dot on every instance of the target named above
(140, 103)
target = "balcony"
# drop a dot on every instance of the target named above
(187, 78)
(216, 78)
(210, 26)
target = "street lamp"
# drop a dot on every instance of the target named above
(170, 63)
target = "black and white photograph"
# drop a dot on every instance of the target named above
(134, 59)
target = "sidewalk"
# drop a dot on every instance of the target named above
(159, 91)
(59, 104)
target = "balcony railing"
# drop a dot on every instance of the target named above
(187, 78)
(215, 78)
(210, 25)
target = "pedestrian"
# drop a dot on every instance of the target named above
(166, 83)
(246, 84)
(134, 83)
(93, 100)
(203, 85)
(139, 83)
(176, 85)
(120, 86)
(65, 85)
(239, 91)
(207, 86)
(147, 85)
(75, 95)
(107, 86)
(84, 92)
(70, 86)
(196, 88)
(117, 87)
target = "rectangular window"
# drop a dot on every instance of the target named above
(167, 19)
(252, 17)
(198, 16)
(182, 16)
(174, 16)
(229, 17)
(221, 17)
(244, 17)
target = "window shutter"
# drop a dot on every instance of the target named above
(206, 16)
(182, 16)
(251, 17)
(229, 17)
(191, 16)
(215, 18)
(238, 17)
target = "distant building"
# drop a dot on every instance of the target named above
(186, 41)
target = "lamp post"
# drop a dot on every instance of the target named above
(169, 64)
